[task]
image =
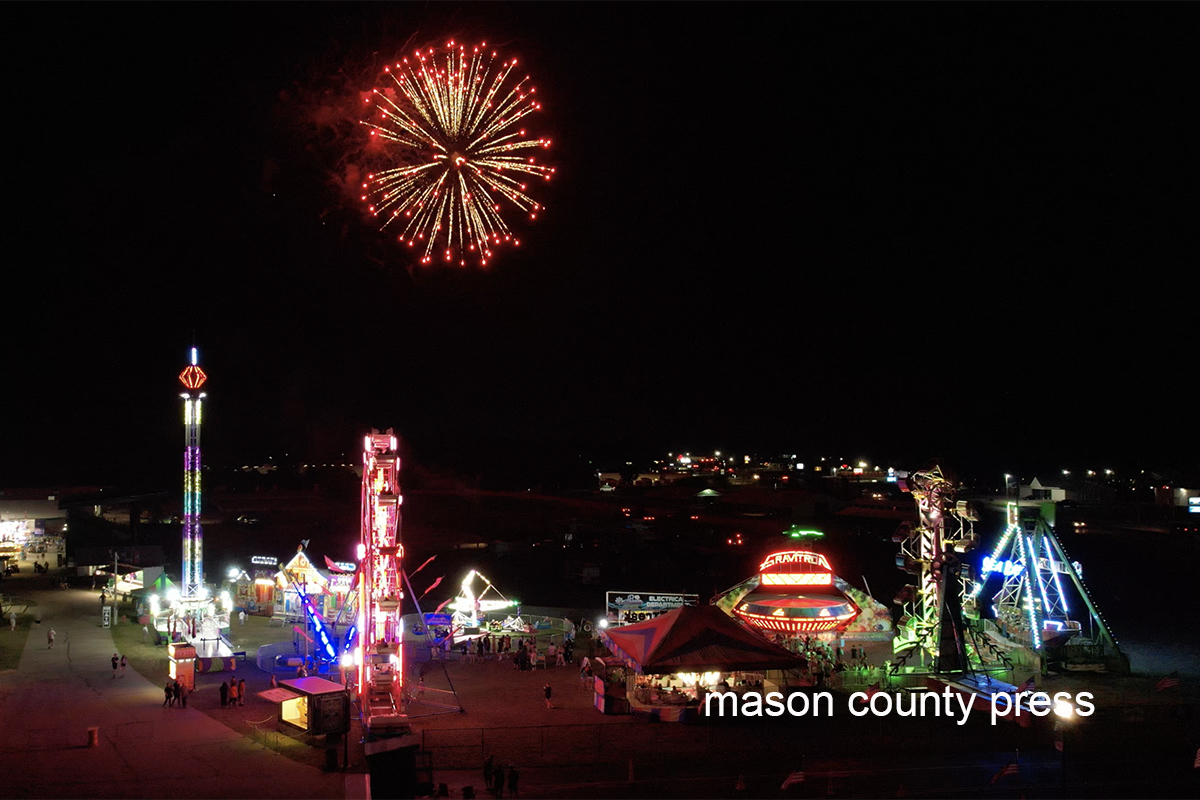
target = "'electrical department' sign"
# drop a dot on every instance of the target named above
(627, 607)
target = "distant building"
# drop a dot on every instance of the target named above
(609, 480)
(1175, 496)
(1036, 490)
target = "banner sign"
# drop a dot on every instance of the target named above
(438, 619)
(627, 607)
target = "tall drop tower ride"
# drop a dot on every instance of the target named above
(192, 576)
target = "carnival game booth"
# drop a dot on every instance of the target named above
(312, 705)
(676, 659)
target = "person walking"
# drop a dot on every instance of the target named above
(224, 690)
(241, 691)
(168, 694)
(116, 661)
(50, 638)
(584, 666)
(242, 617)
(176, 693)
(12, 620)
(183, 694)
(513, 777)
(123, 663)
(547, 691)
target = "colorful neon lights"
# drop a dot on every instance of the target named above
(378, 656)
(1005, 568)
(794, 557)
(192, 577)
(797, 579)
(193, 377)
(784, 624)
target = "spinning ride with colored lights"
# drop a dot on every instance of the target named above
(469, 609)
(796, 594)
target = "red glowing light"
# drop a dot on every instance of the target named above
(193, 377)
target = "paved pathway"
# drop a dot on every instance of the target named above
(145, 750)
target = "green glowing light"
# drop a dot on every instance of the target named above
(800, 533)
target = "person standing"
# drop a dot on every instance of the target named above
(116, 661)
(547, 691)
(233, 693)
(242, 617)
(12, 619)
(498, 781)
(487, 771)
(241, 691)
(224, 694)
(168, 694)
(50, 638)
(183, 694)
(513, 777)
(176, 693)
(123, 663)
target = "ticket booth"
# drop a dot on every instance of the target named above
(182, 664)
(313, 705)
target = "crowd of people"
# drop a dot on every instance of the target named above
(525, 652)
(823, 660)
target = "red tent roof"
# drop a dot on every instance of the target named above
(695, 639)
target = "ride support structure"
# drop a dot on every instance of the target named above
(379, 655)
(931, 630)
(192, 577)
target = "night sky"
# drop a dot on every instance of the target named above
(888, 231)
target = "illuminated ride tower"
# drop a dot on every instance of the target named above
(931, 630)
(192, 577)
(379, 653)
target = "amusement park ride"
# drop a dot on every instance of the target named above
(930, 628)
(378, 654)
(941, 630)
(1031, 606)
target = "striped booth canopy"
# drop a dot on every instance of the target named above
(695, 639)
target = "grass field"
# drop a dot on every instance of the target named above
(151, 661)
(12, 643)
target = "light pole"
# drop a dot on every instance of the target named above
(1066, 715)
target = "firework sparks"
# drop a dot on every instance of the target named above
(450, 120)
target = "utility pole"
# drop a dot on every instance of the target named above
(114, 591)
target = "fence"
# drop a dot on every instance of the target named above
(556, 745)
